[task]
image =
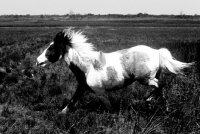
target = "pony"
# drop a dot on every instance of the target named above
(101, 72)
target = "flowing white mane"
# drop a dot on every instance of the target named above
(79, 41)
(83, 51)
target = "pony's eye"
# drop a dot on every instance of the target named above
(51, 48)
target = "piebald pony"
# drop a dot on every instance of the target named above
(101, 72)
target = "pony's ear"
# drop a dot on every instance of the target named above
(59, 37)
(62, 41)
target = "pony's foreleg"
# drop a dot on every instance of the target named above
(79, 92)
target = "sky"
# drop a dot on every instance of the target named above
(62, 7)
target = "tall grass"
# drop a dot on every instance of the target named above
(30, 104)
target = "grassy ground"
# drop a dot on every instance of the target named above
(134, 22)
(31, 104)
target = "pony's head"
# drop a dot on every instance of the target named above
(67, 44)
(57, 49)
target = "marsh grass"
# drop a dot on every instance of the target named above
(30, 97)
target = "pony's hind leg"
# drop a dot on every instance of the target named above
(157, 92)
(153, 83)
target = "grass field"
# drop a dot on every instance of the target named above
(134, 22)
(31, 104)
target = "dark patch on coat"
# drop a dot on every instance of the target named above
(59, 47)
(100, 62)
(111, 74)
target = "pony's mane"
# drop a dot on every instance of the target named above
(83, 51)
(79, 41)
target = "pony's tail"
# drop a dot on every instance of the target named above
(169, 64)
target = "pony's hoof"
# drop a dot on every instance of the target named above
(149, 99)
(149, 104)
(61, 113)
(64, 111)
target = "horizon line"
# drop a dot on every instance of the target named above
(97, 14)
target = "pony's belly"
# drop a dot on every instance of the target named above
(106, 80)
(100, 86)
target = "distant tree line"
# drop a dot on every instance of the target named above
(72, 15)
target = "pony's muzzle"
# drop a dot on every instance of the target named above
(41, 61)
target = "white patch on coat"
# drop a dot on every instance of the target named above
(99, 81)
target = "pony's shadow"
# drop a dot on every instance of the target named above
(92, 103)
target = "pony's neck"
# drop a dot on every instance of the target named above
(81, 60)
(81, 53)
